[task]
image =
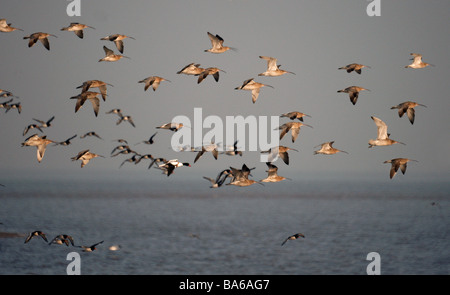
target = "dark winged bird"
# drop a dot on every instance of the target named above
(353, 92)
(36, 233)
(293, 237)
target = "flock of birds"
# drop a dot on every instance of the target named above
(237, 177)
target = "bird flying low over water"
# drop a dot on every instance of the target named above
(39, 36)
(90, 248)
(279, 151)
(62, 239)
(217, 44)
(36, 233)
(6, 28)
(77, 28)
(39, 142)
(240, 176)
(272, 175)
(118, 40)
(417, 62)
(327, 149)
(85, 156)
(396, 164)
(293, 237)
(255, 87)
(110, 56)
(382, 137)
(208, 148)
(273, 69)
(354, 67)
(353, 92)
(220, 178)
(168, 167)
(408, 108)
(153, 81)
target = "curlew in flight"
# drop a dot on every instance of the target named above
(295, 115)
(294, 127)
(85, 156)
(118, 40)
(153, 81)
(110, 56)
(41, 37)
(382, 137)
(39, 142)
(273, 69)
(217, 44)
(353, 92)
(408, 108)
(353, 67)
(327, 149)
(417, 62)
(398, 163)
(255, 87)
(77, 28)
(6, 28)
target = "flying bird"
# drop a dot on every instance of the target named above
(45, 124)
(408, 108)
(294, 127)
(398, 163)
(279, 151)
(382, 137)
(149, 141)
(220, 178)
(153, 81)
(272, 174)
(39, 36)
(354, 67)
(118, 40)
(110, 56)
(12, 106)
(327, 148)
(126, 118)
(6, 28)
(353, 92)
(217, 44)
(87, 95)
(90, 248)
(255, 87)
(191, 69)
(85, 156)
(417, 62)
(295, 115)
(90, 133)
(66, 142)
(39, 142)
(172, 126)
(273, 69)
(36, 233)
(240, 177)
(293, 237)
(95, 84)
(77, 28)
(169, 166)
(31, 126)
(62, 239)
(209, 71)
(208, 148)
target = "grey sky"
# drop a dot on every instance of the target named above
(309, 38)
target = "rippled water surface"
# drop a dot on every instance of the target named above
(175, 227)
